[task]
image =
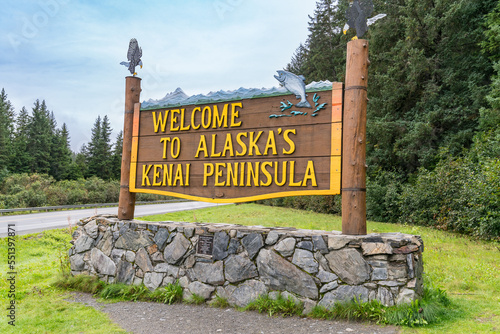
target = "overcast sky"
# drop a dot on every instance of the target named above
(67, 52)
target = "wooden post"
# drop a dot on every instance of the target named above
(126, 203)
(354, 139)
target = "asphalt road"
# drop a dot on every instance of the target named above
(36, 222)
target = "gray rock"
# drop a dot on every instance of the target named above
(308, 245)
(390, 283)
(308, 305)
(397, 271)
(161, 238)
(247, 292)
(184, 282)
(211, 273)
(153, 280)
(337, 242)
(325, 276)
(83, 243)
(239, 268)
(234, 244)
(137, 281)
(349, 265)
(132, 240)
(189, 231)
(130, 256)
(374, 248)
(319, 244)
(201, 289)
(344, 293)
(143, 261)
(279, 274)
(329, 287)
(252, 242)
(76, 262)
(272, 237)
(221, 242)
(288, 296)
(176, 249)
(167, 280)
(406, 296)
(379, 274)
(116, 254)
(305, 260)
(106, 243)
(157, 257)
(125, 272)
(101, 263)
(167, 268)
(286, 246)
(384, 296)
(91, 229)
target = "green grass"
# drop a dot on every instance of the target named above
(40, 307)
(468, 269)
(280, 305)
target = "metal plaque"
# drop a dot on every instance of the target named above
(205, 244)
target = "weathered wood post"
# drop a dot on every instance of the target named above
(354, 139)
(126, 203)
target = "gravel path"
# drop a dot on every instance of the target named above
(152, 318)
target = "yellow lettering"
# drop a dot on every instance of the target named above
(232, 175)
(167, 175)
(202, 146)
(218, 173)
(310, 175)
(208, 170)
(242, 174)
(212, 153)
(219, 120)
(156, 175)
(283, 174)
(173, 119)
(187, 127)
(266, 173)
(292, 174)
(145, 173)
(271, 144)
(160, 122)
(175, 148)
(188, 167)
(165, 141)
(253, 144)
(193, 116)
(206, 117)
(178, 175)
(289, 141)
(235, 114)
(228, 146)
(242, 144)
(253, 174)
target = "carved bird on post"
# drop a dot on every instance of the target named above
(134, 55)
(357, 17)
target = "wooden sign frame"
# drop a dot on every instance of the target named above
(146, 167)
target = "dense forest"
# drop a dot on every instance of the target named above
(433, 137)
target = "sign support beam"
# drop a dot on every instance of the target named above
(354, 139)
(126, 203)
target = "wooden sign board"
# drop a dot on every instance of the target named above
(240, 150)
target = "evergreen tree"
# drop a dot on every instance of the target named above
(117, 156)
(61, 154)
(21, 159)
(41, 133)
(6, 129)
(98, 150)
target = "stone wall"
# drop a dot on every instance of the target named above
(316, 267)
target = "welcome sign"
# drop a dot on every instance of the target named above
(240, 150)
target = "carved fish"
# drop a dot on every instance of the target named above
(296, 85)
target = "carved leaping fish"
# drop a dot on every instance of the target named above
(296, 85)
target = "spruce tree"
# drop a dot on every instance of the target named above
(61, 154)
(6, 129)
(21, 161)
(98, 150)
(117, 156)
(41, 133)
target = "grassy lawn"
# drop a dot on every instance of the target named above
(41, 308)
(469, 270)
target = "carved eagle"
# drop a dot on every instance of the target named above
(134, 55)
